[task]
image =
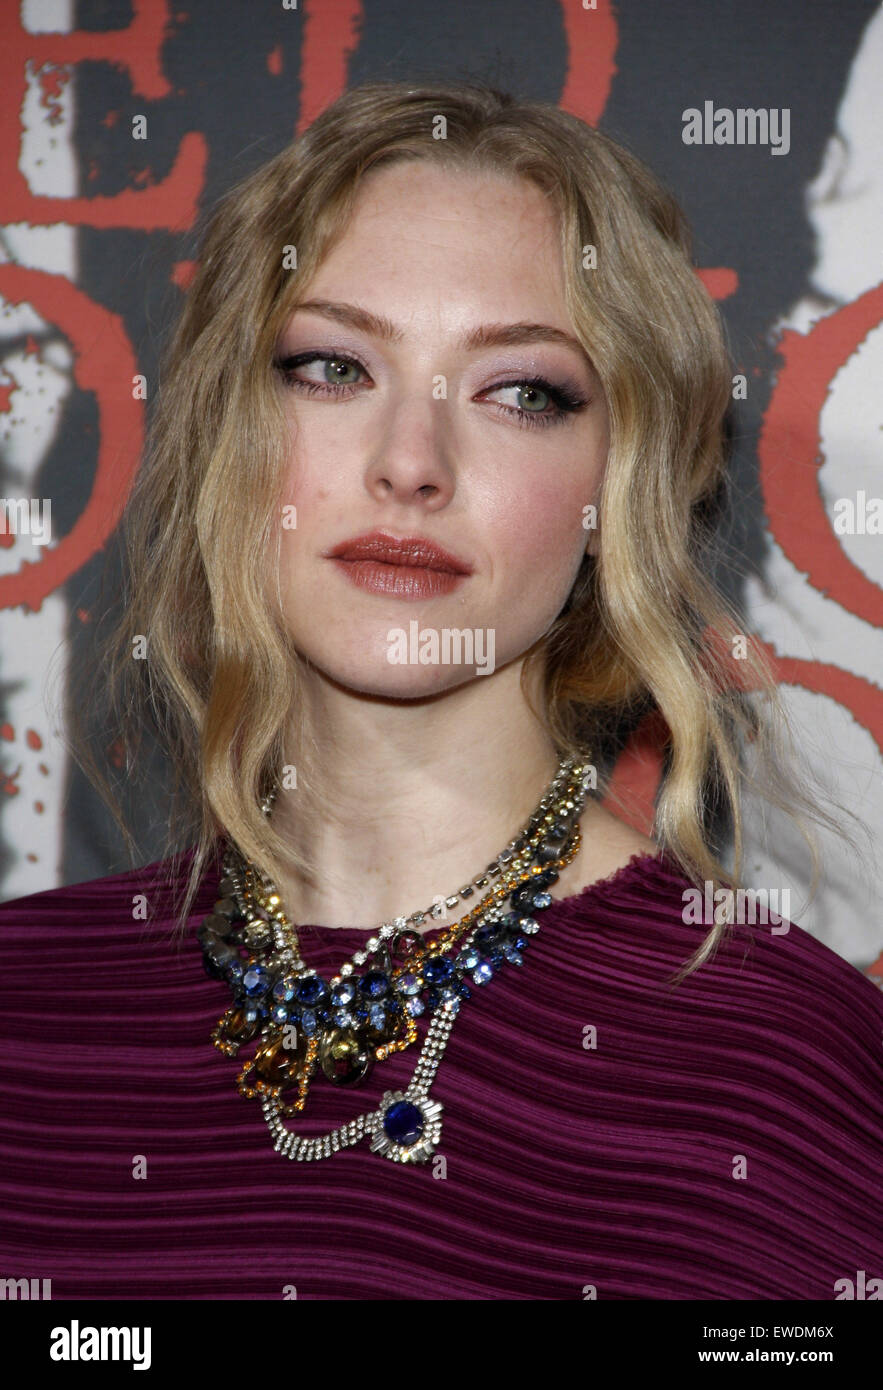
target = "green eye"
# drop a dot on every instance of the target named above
(533, 398)
(336, 369)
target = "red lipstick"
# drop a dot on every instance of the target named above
(409, 567)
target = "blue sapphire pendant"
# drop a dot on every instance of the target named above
(409, 1128)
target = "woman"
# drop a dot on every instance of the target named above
(421, 533)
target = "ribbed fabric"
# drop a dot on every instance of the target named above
(614, 1166)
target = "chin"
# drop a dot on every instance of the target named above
(403, 682)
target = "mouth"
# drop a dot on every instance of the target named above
(410, 552)
(409, 569)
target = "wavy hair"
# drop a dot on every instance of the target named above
(644, 632)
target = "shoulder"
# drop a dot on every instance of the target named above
(148, 892)
(86, 958)
(768, 977)
(774, 1029)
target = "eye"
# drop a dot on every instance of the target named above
(531, 398)
(538, 402)
(335, 372)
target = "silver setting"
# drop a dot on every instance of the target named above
(287, 1143)
(423, 1148)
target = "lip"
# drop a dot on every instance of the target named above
(411, 552)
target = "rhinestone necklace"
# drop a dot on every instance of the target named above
(346, 1024)
(250, 890)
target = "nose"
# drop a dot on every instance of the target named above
(413, 455)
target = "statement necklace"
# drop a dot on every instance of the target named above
(342, 1026)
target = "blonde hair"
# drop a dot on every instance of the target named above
(643, 629)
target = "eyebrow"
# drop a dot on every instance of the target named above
(487, 335)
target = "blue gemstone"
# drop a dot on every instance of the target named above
(437, 971)
(514, 956)
(415, 1007)
(344, 993)
(487, 936)
(483, 972)
(465, 991)
(403, 1123)
(251, 1013)
(256, 981)
(377, 1015)
(374, 984)
(542, 899)
(468, 958)
(311, 990)
(309, 1022)
(343, 1018)
(235, 970)
(279, 1013)
(496, 957)
(520, 943)
(409, 984)
(283, 990)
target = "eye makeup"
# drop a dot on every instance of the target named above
(565, 401)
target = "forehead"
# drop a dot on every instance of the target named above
(416, 180)
(423, 227)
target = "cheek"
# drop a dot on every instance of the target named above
(540, 532)
(307, 490)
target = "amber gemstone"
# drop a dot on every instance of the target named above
(344, 1057)
(383, 1024)
(276, 1063)
(238, 1029)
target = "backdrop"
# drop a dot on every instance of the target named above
(121, 119)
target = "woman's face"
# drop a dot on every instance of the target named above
(428, 434)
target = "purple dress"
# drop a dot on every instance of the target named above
(603, 1135)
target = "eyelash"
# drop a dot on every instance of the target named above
(566, 401)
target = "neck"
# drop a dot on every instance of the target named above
(417, 797)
